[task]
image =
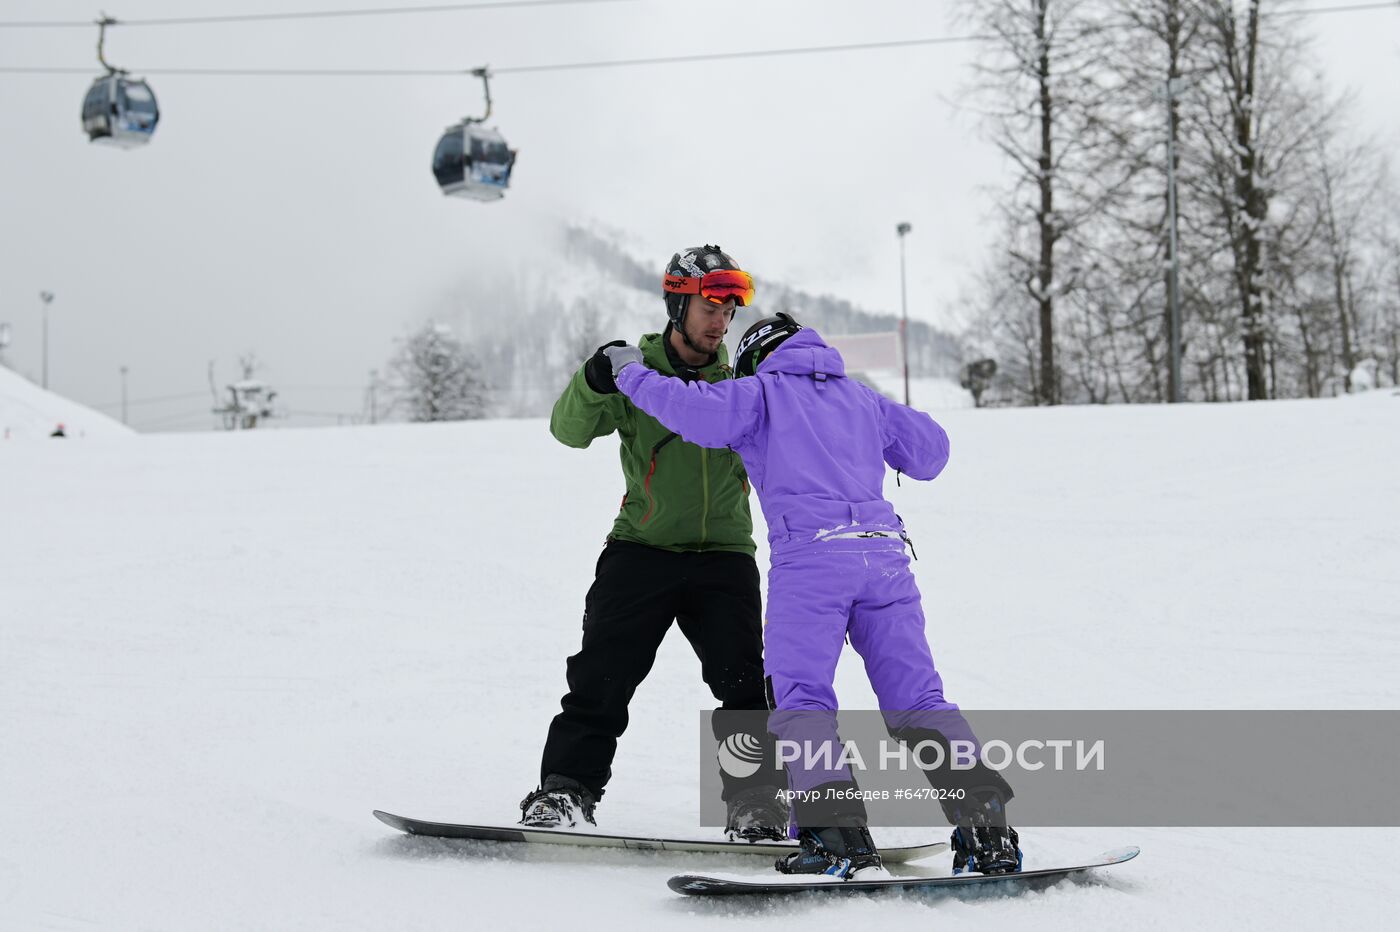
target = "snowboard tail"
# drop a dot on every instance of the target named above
(525, 834)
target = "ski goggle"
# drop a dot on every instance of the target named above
(716, 287)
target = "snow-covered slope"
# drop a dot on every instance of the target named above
(928, 393)
(219, 652)
(27, 411)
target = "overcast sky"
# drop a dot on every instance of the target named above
(297, 217)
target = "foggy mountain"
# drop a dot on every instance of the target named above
(532, 327)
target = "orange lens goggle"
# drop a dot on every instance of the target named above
(716, 287)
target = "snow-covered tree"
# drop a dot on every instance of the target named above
(435, 377)
(1286, 268)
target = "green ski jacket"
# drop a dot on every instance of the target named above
(679, 497)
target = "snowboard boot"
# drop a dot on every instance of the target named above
(558, 803)
(837, 851)
(982, 842)
(757, 814)
(987, 849)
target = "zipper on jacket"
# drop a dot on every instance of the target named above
(651, 471)
(705, 484)
(646, 488)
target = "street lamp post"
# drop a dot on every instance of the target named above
(373, 399)
(902, 229)
(47, 298)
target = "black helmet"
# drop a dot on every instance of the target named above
(760, 340)
(694, 262)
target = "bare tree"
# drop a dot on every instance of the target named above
(1006, 333)
(1157, 53)
(1388, 279)
(1349, 193)
(1046, 98)
(1288, 279)
(435, 377)
(1239, 167)
(1257, 124)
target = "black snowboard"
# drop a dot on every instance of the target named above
(738, 884)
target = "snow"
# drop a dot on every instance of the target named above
(219, 652)
(28, 411)
(928, 393)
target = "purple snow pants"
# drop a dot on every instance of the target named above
(817, 598)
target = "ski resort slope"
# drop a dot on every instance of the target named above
(220, 652)
(28, 411)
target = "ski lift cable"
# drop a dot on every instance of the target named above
(484, 5)
(511, 69)
(262, 72)
(309, 14)
(614, 63)
(755, 53)
(158, 400)
(1350, 8)
(180, 418)
(518, 69)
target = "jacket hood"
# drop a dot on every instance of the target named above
(805, 353)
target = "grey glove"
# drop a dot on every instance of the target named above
(621, 356)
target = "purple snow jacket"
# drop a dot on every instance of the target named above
(814, 442)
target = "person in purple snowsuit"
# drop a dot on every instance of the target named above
(816, 445)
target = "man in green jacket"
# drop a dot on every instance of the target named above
(680, 550)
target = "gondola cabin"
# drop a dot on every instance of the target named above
(473, 161)
(120, 111)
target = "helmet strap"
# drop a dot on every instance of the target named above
(680, 324)
(671, 350)
(686, 337)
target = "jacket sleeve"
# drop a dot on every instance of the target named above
(717, 415)
(914, 442)
(581, 415)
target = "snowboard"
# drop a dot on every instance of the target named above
(520, 833)
(738, 884)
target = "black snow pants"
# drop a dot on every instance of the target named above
(637, 592)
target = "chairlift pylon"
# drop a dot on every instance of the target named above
(472, 160)
(118, 110)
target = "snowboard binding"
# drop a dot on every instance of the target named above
(982, 842)
(986, 849)
(756, 814)
(559, 802)
(837, 851)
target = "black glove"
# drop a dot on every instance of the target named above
(598, 373)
